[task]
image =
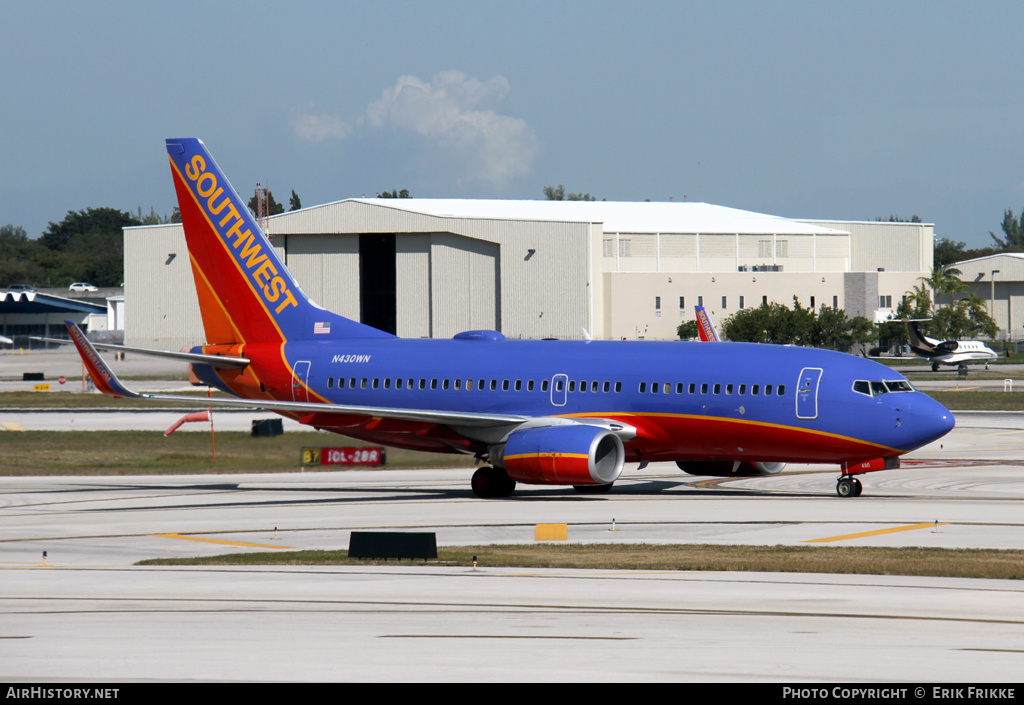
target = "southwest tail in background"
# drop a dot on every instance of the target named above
(246, 294)
(705, 329)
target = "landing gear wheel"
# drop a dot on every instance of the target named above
(593, 489)
(857, 487)
(488, 483)
(845, 487)
(935, 367)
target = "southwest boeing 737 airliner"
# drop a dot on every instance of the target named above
(535, 411)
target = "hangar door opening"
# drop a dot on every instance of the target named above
(377, 275)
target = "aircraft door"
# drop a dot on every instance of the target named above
(300, 381)
(807, 393)
(559, 385)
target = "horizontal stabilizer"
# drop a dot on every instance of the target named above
(220, 362)
(108, 383)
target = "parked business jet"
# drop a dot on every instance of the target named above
(536, 411)
(948, 352)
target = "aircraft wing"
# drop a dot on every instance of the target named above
(108, 383)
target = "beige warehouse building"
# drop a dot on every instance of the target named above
(541, 269)
(999, 280)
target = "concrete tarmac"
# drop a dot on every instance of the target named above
(88, 613)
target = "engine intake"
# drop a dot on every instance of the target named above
(561, 455)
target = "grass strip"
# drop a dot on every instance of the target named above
(857, 560)
(185, 452)
(979, 401)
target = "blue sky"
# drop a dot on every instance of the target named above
(799, 109)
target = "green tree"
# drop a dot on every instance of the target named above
(1013, 228)
(87, 245)
(102, 221)
(688, 330)
(552, 193)
(898, 219)
(153, 218)
(965, 318)
(273, 207)
(947, 252)
(944, 281)
(778, 324)
(294, 203)
(395, 193)
(19, 262)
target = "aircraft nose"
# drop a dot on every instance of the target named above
(926, 420)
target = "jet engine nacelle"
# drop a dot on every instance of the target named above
(729, 468)
(561, 455)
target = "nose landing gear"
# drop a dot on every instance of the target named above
(849, 487)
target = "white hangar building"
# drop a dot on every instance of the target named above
(542, 269)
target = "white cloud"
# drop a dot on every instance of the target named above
(455, 119)
(310, 126)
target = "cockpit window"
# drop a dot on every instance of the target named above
(899, 385)
(875, 388)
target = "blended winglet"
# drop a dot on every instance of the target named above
(102, 376)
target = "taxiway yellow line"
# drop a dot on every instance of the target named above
(226, 543)
(876, 532)
(11, 426)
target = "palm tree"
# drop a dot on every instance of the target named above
(943, 280)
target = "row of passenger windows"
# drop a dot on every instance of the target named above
(874, 388)
(580, 386)
(705, 387)
(494, 385)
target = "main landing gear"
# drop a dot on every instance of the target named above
(489, 483)
(848, 486)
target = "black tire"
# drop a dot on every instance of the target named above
(489, 483)
(593, 489)
(845, 487)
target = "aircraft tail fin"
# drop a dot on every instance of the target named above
(705, 328)
(918, 342)
(246, 294)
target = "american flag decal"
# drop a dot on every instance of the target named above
(319, 327)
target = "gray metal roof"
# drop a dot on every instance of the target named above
(616, 216)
